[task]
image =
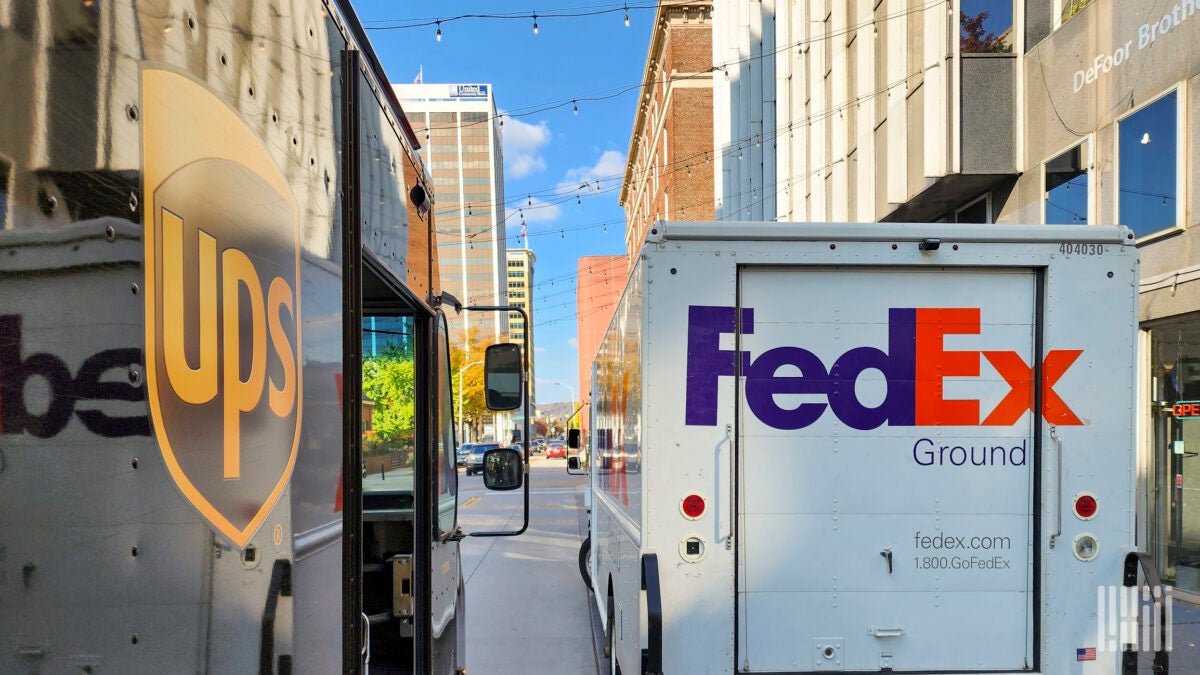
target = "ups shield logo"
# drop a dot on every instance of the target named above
(222, 306)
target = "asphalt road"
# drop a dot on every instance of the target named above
(527, 607)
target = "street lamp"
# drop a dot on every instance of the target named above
(461, 430)
(572, 390)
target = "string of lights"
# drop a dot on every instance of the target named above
(561, 13)
(724, 66)
(559, 280)
(596, 186)
(676, 165)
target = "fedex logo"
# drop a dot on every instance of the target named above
(914, 363)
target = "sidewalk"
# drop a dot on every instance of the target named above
(528, 609)
(1185, 641)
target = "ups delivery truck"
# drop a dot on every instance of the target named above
(216, 232)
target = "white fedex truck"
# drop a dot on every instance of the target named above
(815, 448)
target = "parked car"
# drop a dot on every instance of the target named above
(475, 460)
(463, 452)
(556, 449)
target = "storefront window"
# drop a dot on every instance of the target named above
(1148, 154)
(1067, 187)
(1173, 474)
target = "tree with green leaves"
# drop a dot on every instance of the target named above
(389, 381)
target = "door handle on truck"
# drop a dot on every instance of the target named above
(1161, 620)
(280, 586)
(1057, 495)
(728, 440)
(365, 652)
(652, 659)
(887, 555)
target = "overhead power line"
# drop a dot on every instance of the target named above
(561, 13)
(724, 66)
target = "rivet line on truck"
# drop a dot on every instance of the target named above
(877, 448)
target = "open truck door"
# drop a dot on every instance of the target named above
(402, 591)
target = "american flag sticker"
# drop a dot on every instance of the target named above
(1088, 654)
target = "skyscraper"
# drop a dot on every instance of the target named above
(520, 294)
(458, 125)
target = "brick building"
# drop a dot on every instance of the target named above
(598, 287)
(669, 171)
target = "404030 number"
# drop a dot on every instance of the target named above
(1081, 249)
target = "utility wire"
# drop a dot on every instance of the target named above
(534, 109)
(565, 13)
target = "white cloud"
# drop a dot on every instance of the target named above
(574, 343)
(539, 211)
(608, 170)
(524, 164)
(523, 144)
(539, 350)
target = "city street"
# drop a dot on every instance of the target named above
(528, 609)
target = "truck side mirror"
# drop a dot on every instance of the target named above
(573, 439)
(575, 465)
(502, 376)
(503, 469)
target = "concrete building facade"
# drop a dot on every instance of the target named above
(519, 280)
(462, 150)
(1058, 111)
(668, 173)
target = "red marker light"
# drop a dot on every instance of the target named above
(692, 506)
(1085, 506)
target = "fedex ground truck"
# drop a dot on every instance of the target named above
(868, 448)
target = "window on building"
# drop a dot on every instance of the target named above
(986, 26)
(1148, 167)
(514, 263)
(1069, 8)
(515, 275)
(1066, 196)
(976, 211)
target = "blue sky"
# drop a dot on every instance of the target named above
(1000, 13)
(569, 58)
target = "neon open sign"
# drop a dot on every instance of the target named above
(1186, 410)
